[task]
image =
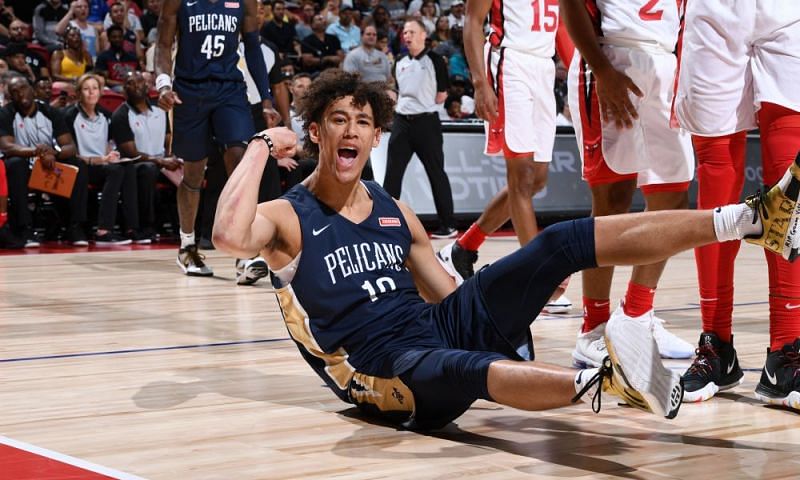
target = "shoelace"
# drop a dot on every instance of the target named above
(196, 257)
(701, 364)
(793, 362)
(757, 202)
(604, 371)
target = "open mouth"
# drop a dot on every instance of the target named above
(347, 155)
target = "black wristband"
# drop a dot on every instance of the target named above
(265, 137)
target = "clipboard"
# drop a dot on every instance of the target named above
(58, 181)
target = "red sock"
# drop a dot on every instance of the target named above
(595, 312)
(638, 300)
(720, 177)
(473, 238)
(780, 142)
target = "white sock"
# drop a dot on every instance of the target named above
(734, 222)
(187, 239)
(582, 378)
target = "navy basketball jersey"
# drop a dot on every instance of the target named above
(208, 40)
(352, 305)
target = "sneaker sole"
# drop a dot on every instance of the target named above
(112, 244)
(191, 274)
(790, 401)
(582, 361)
(253, 273)
(556, 309)
(661, 388)
(708, 391)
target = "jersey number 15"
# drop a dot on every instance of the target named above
(545, 15)
(213, 46)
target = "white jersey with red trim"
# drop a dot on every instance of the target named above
(628, 22)
(524, 25)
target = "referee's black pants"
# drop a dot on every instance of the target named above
(420, 134)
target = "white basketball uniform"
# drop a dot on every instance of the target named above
(519, 56)
(639, 39)
(737, 54)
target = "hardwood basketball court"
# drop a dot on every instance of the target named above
(120, 361)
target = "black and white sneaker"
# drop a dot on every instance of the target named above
(457, 261)
(250, 270)
(444, 232)
(780, 378)
(191, 262)
(110, 239)
(32, 239)
(77, 236)
(715, 368)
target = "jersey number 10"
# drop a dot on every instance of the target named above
(545, 17)
(213, 46)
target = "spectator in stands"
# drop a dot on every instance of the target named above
(383, 46)
(15, 57)
(6, 17)
(453, 51)
(43, 92)
(320, 50)
(69, 63)
(456, 16)
(330, 13)
(115, 63)
(371, 63)
(19, 33)
(34, 130)
(396, 10)
(280, 31)
(142, 133)
(452, 108)
(89, 124)
(383, 24)
(45, 19)
(442, 32)
(149, 20)
(426, 13)
(345, 30)
(461, 89)
(303, 25)
(78, 17)
(132, 34)
(98, 9)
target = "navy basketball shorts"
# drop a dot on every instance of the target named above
(211, 109)
(488, 318)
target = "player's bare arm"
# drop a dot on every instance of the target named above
(485, 98)
(431, 279)
(167, 29)
(242, 227)
(613, 86)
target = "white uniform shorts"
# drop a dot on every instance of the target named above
(525, 102)
(657, 153)
(737, 54)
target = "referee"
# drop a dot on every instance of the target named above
(422, 84)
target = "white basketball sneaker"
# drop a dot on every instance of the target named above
(635, 358)
(590, 348)
(669, 344)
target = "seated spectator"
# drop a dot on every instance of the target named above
(78, 17)
(45, 19)
(98, 9)
(15, 57)
(456, 16)
(397, 11)
(149, 20)
(280, 31)
(115, 63)
(20, 33)
(89, 124)
(427, 12)
(371, 63)
(453, 51)
(142, 133)
(383, 24)
(69, 63)
(320, 50)
(6, 17)
(452, 108)
(383, 46)
(303, 26)
(43, 92)
(345, 30)
(330, 13)
(132, 34)
(442, 32)
(33, 130)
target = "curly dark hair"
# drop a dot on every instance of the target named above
(333, 84)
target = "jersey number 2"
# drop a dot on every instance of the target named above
(213, 46)
(647, 13)
(545, 18)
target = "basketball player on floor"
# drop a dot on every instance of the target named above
(624, 48)
(209, 100)
(513, 74)
(382, 323)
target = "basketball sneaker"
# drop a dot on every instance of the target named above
(457, 261)
(562, 304)
(779, 213)
(191, 262)
(250, 270)
(590, 347)
(637, 366)
(780, 378)
(612, 380)
(715, 368)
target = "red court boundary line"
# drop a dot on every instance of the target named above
(23, 461)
